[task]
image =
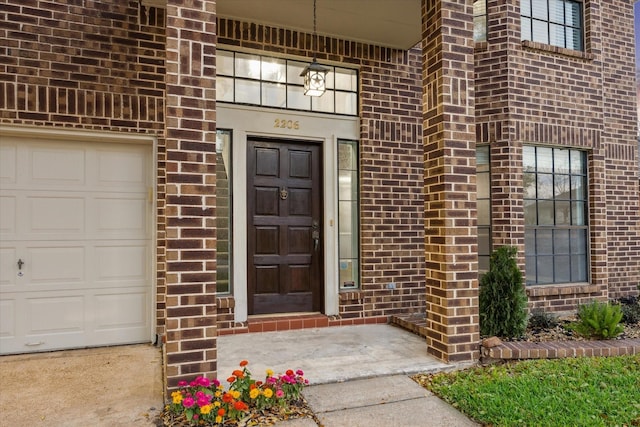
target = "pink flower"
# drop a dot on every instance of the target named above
(182, 383)
(204, 382)
(216, 383)
(188, 402)
(279, 394)
(299, 372)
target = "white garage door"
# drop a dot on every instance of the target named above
(75, 244)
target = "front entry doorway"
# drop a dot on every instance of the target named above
(284, 230)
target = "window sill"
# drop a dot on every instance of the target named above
(528, 44)
(564, 289)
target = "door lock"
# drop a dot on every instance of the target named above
(20, 264)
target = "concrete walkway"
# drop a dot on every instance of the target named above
(359, 374)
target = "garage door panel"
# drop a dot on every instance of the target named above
(57, 266)
(122, 263)
(8, 216)
(51, 166)
(8, 163)
(56, 215)
(49, 315)
(122, 310)
(121, 168)
(121, 216)
(8, 268)
(7, 318)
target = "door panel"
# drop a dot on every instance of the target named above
(284, 211)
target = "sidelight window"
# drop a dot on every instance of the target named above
(223, 211)
(348, 215)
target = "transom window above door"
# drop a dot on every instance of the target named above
(244, 78)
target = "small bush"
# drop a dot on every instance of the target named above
(598, 320)
(542, 320)
(502, 300)
(630, 307)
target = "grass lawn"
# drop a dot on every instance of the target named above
(598, 391)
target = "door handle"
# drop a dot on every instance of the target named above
(315, 234)
(20, 264)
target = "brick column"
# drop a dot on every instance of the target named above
(451, 251)
(190, 190)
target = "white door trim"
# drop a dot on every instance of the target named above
(245, 121)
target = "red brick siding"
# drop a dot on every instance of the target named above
(190, 187)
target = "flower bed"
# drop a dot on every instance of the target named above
(246, 401)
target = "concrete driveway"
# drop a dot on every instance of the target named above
(110, 386)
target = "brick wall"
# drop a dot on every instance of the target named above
(391, 170)
(91, 65)
(532, 93)
(190, 191)
(451, 249)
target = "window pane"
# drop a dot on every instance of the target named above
(323, 103)
(544, 242)
(561, 241)
(482, 181)
(544, 267)
(480, 28)
(296, 99)
(563, 213)
(561, 187)
(346, 103)
(530, 241)
(274, 70)
(525, 8)
(577, 162)
(577, 189)
(578, 214)
(539, 9)
(560, 161)
(349, 273)
(545, 159)
(530, 212)
(540, 32)
(347, 189)
(329, 79)
(579, 268)
(223, 211)
(347, 156)
(247, 66)
(546, 212)
(525, 29)
(562, 269)
(578, 241)
(294, 69)
(529, 158)
(482, 158)
(484, 217)
(247, 91)
(574, 38)
(224, 63)
(556, 11)
(545, 186)
(479, 7)
(573, 14)
(224, 89)
(530, 266)
(274, 95)
(346, 79)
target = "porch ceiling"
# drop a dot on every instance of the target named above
(391, 23)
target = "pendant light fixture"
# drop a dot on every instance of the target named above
(315, 82)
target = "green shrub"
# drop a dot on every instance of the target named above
(542, 320)
(599, 320)
(503, 301)
(630, 307)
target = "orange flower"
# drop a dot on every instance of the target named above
(227, 398)
(221, 412)
(238, 374)
(252, 386)
(244, 363)
(240, 406)
(289, 372)
(231, 379)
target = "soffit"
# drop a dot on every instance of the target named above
(390, 23)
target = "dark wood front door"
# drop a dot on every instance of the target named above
(284, 202)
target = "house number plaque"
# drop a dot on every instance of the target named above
(286, 124)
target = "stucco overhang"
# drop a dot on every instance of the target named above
(390, 23)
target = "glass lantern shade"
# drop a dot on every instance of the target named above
(315, 82)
